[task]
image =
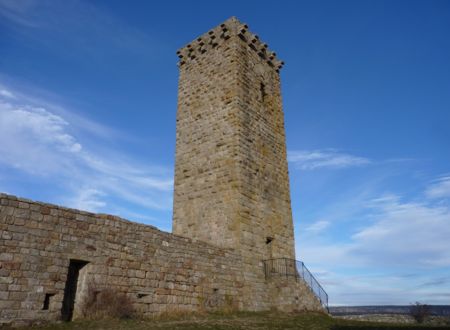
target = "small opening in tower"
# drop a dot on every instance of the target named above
(47, 301)
(262, 89)
(269, 240)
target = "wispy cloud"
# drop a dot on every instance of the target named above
(398, 234)
(440, 188)
(438, 282)
(406, 233)
(82, 25)
(87, 199)
(16, 11)
(6, 93)
(19, 93)
(327, 158)
(32, 138)
(43, 143)
(318, 226)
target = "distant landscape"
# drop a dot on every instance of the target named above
(436, 310)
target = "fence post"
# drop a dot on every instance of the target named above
(286, 267)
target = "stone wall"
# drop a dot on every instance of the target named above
(292, 295)
(159, 271)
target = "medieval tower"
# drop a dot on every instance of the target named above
(232, 244)
(231, 175)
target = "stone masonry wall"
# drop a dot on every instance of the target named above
(231, 176)
(206, 176)
(263, 171)
(292, 295)
(159, 271)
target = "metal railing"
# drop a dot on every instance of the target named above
(297, 269)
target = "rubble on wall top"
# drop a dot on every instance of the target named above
(222, 32)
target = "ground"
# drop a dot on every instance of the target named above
(251, 321)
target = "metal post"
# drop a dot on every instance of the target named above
(285, 265)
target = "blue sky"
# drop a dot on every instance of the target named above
(87, 120)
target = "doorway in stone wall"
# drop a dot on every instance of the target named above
(70, 290)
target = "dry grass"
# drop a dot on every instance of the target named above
(221, 321)
(105, 304)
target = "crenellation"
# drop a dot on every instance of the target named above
(220, 35)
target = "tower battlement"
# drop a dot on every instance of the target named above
(232, 27)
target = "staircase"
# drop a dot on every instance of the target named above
(284, 267)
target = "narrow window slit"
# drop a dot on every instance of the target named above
(262, 89)
(47, 299)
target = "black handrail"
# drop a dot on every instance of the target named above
(297, 269)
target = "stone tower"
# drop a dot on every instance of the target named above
(231, 174)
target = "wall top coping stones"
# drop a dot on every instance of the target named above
(218, 35)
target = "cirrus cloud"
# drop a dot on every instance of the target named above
(327, 158)
(439, 188)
